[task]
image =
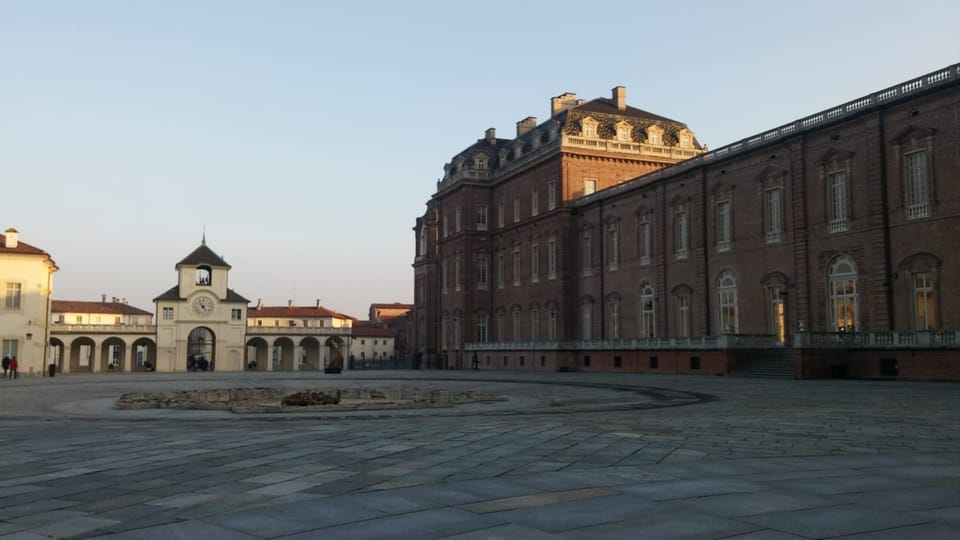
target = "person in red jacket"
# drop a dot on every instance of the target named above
(13, 368)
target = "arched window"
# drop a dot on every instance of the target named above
(922, 274)
(204, 275)
(842, 277)
(586, 310)
(552, 322)
(727, 304)
(613, 316)
(482, 323)
(647, 311)
(515, 323)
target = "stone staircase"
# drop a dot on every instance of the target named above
(774, 363)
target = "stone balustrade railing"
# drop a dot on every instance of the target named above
(297, 330)
(919, 339)
(727, 341)
(102, 329)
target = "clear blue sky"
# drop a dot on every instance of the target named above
(307, 136)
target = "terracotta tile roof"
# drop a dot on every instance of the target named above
(293, 312)
(106, 308)
(22, 248)
(203, 255)
(395, 305)
(371, 331)
(173, 294)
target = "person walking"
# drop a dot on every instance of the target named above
(6, 366)
(13, 368)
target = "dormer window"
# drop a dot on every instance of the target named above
(589, 127)
(204, 275)
(481, 164)
(623, 131)
(686, 138)
(654, 135)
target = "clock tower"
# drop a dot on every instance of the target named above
(201, 323)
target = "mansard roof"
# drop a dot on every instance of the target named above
(607, 106)
(203, 255)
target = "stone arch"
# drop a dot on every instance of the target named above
(143, 355)
(282, 356)
(334, 354)
(82, 355)
(113, 356)
(257, 354)
(201, 350)
(310, 356)
(56, 355)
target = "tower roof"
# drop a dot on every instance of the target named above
(203, 255)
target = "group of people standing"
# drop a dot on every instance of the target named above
(10, 368)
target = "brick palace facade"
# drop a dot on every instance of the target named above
(607, 238)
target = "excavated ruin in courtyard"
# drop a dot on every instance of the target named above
(284, 400)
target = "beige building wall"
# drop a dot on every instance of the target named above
(26, 281)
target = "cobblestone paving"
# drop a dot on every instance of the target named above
(567, 456)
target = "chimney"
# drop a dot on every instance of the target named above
(103, 298)
(491, 136)
(124, 301)
(289, 303)
(563, 102)
(11, 238)
(620, 97)
(318, 300)
(259, 303)
(526, 125)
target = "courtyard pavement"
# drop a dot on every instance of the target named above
(567, 455)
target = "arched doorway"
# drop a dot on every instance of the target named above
(256, 355)
(144, 355)
(334, 346)
(309, 354)
(113, 354)
(201, 348)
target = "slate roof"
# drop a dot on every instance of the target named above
(105, 308)
(173, 294)
(203, 255)
(607, 106)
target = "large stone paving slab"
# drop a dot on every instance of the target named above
(687, 457)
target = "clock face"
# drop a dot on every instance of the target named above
(202, 306)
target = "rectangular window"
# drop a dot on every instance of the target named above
(924, 303)
(516, 267)
(534, 202)
(589, 186)
(683, 316)
(774, 225)
(167, 314)
(587, 319)
(500, 271)
(237, 314)
(613, 246)
(643, 240)
(482, 328)
(444, 269)
(837, 185)
(552, 258)
(446, 224)
(551, 195)
(515, 325)
(534, 324)
(516, 208)
(481, 217)
(680, 233)
(10, 348)
(457, 268)
(458, 226)
(586, 249)
(723, 226)
(614, 320)
(500, 335)
(552, 324)
(500, 215)
(918, 187)
(12, 299)
(535, 263)
(481, 272)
